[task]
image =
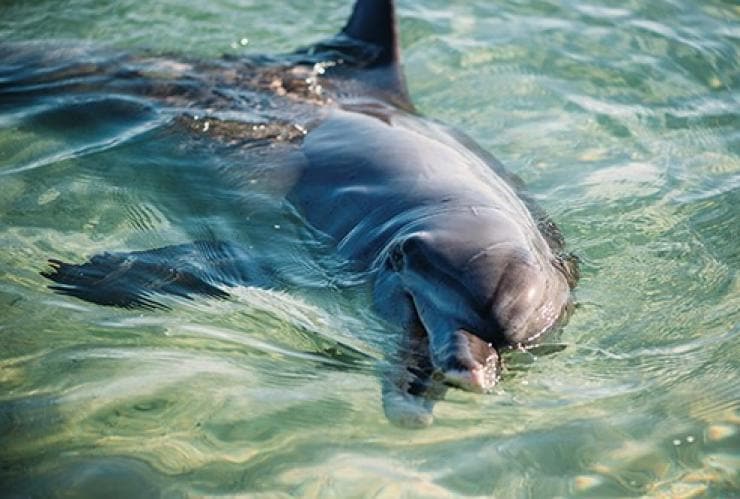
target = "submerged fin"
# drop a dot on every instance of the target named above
(409, 388)
(129, 280)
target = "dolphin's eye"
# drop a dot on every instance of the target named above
(396, 258)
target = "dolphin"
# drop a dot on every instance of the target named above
(459, 258)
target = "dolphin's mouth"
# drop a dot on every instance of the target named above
(468, 363)
(460, 359)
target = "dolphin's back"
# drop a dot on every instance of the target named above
(368, 176)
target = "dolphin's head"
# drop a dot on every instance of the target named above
(476, 281)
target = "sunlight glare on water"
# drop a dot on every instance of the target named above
(623, 120)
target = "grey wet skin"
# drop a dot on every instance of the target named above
(450, 244)
(460, 261)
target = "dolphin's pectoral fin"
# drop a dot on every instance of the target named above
(410, 389)
(129, 280)
(406, 410)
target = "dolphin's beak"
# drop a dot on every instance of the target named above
(469, 363)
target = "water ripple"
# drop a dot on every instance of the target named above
(623, 121)
(88, 127)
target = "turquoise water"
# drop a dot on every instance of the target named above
(623, 119)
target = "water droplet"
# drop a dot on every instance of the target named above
(243, 42)
(277, 226)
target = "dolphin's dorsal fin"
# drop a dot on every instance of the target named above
(374, 22)
(366, 52)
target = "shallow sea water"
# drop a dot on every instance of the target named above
(623, 119)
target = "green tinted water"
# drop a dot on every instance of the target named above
(622, 118)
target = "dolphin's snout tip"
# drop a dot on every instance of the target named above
(468, 380)
(469, 363)
(479, 379)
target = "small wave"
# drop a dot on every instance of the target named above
(83, 128)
